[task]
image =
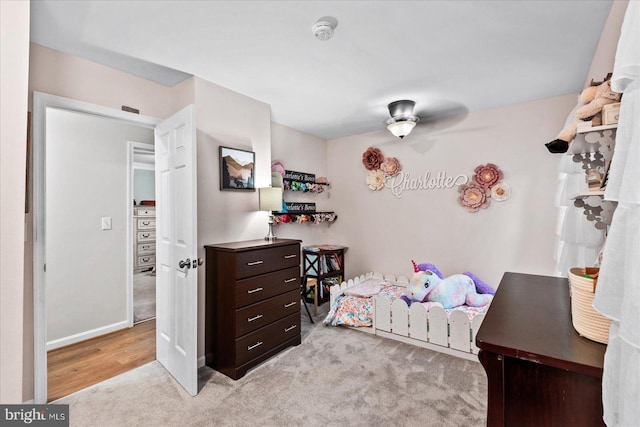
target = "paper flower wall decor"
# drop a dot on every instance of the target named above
(375, 179)
(487, 175)
(474, 196)
(372, 158)
(485, 186)
(379, 167)
(501, 192)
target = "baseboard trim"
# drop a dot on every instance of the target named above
(82, 336)
(201, 361)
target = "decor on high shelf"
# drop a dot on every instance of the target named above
(379, 167)
(270, 200)
(237, 170)
(485, 185)
(591, 102)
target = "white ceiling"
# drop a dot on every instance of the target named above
(452, 55)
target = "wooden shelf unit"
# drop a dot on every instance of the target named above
(323, 266)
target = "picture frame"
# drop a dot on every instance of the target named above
(237, 169)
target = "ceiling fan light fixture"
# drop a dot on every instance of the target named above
(401, 127)
(402, 120)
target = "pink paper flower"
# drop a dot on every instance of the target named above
(487, 175)
(390, 166)
(372, 158)
(473, 196)
(375, 179)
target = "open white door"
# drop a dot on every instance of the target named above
(176, 248)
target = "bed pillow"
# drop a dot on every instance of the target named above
(368, 288)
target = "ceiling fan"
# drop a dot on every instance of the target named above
(433, 116)
(402, 119)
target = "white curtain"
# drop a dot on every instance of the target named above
(618, 292)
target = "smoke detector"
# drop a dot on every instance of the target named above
(323, 28)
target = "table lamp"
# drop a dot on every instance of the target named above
(270, 200)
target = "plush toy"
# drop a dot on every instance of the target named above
(593, 98)
(450, 292)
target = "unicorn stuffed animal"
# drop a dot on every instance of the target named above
(451, 291)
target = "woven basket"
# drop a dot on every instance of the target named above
(586, 320)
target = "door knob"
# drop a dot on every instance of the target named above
(186, 263)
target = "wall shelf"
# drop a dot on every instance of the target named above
(305, 187)
(593, 146)
(304, 217)
(595, 208)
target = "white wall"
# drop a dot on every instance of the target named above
(14, 66)
(86, 178)
(229, 119)
(384, 233)
(301, 152)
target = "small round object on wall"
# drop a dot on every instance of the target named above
(324, 27)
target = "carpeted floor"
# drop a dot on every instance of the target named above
(144, 296)
(336, 377)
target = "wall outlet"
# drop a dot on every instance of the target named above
(106, 223)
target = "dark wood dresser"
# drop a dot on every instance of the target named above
(252, 303)
(540, 371)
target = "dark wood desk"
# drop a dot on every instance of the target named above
(540, 371)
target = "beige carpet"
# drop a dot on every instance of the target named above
(336, 377)
(144, 296)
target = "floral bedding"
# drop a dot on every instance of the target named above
(356, 306)
(356, 310)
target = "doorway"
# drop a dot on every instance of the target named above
(142, 196)
(82, 225)
(176, 331)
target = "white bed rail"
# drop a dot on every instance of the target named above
(454, 334)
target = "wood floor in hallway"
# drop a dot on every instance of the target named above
(86, 363)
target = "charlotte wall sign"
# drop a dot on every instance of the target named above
(403, 181)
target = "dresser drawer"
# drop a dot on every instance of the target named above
(255, 316)
(146, 261)
(256, 343)
(260, 261)
(146, 236)
(145, 212)
(146, 224)
(254, 289)
(146, 248)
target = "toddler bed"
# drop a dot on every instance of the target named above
(371, 303)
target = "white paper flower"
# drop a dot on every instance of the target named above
(501, 192)
(375, 179)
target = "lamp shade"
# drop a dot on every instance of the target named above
(270, 198)
(401, 128)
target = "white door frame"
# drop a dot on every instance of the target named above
(132, 147)
(42, 101)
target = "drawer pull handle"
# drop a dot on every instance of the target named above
(290, 328)
(145, 235)
(254, 263)
(254, 290)
(290, 256)
(146, 222)
(293, 279)
(258, 344)
(251, 319)
(291, 304)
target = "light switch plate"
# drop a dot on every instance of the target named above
(106, 223)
